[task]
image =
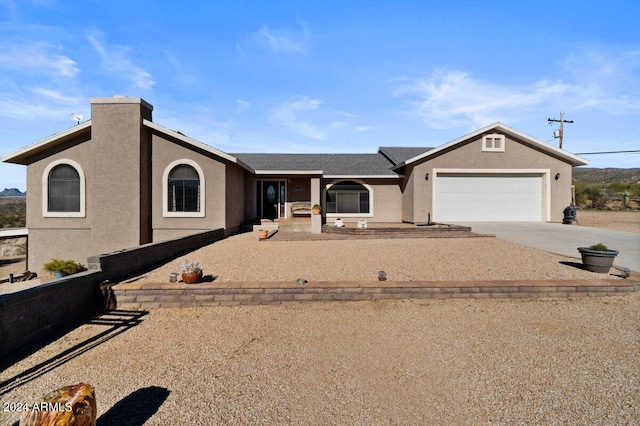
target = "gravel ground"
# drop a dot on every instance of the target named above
(413, 362)
(244, 258)
(628, 221)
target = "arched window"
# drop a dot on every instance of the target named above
(63, 190)
(183, 189)
(348, 197)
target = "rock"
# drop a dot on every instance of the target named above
(13, 247)
(73, 405)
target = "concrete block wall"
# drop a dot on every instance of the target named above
(37, 312)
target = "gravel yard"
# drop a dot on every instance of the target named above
(413, 362)
(244, 258)
(628, 221)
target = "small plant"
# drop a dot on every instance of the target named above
(316, 207)
(189, 267)
(66, 267)
(599, 247)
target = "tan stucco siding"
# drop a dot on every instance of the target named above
(116, 162)
(61, 237)
(517, 156)
(164, 153)
(387, 201)
(408, 184)
(234, 215)
(63, 243)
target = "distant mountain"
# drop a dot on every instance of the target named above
(13, 192)
(608, 175)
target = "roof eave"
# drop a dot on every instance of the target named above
(195, 143)
(395, 176)
(573, 159)
(21, 156)
(288, 172)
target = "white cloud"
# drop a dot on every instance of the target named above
(311, 118)
(39, 103)
(242, 106)
(37, 57)
(598, 79)
(289, 115)
(607, 78)
(281, 41)
(116, 61)
(450, 99)
(182, 74)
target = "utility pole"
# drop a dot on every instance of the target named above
(561, 121)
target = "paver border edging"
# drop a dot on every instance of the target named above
(160, 295)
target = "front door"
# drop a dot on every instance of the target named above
(271, 199)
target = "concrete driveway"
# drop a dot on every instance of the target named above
(564, 239)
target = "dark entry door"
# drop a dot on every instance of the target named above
(271, 201)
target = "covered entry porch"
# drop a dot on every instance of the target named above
(285, 199)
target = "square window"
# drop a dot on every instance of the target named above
(493, 143)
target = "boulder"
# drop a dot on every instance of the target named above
(73, 405)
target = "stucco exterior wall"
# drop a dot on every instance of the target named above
(387, 201)
(61, 237)
(117, 158)
(165, 152)
(517, 155)
(234, 214)
(407, 186)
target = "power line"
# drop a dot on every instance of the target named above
(606, 152)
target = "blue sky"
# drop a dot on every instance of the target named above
(330, 76)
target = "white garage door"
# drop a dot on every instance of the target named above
(481, 198)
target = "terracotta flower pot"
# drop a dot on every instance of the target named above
(316, 211)
(192, 278)
(263, 234)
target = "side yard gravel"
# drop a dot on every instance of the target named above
(413, 362)
(628, 221)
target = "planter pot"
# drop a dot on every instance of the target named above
(597, 261)
(59, 275)
(262, 235)
(192, 278)
(315, 211)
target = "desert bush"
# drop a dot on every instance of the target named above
(13, 215)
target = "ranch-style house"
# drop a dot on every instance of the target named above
(120, 180)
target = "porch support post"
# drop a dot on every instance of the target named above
(316, 219)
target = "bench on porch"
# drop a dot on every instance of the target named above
(300, 208)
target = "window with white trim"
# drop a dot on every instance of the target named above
(183, 190)
(63, 190)
(348, 197)
(493, 142)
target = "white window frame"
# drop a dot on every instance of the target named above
(369, 188)
(492, 138)
(45, 190)
(165, 190)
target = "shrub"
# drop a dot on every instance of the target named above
(599, 247)
(67, 267)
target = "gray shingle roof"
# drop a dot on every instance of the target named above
(398, 154)
(330, 164)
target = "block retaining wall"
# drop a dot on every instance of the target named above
(148, 296)
(37, 312)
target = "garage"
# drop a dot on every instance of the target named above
(462, 197)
